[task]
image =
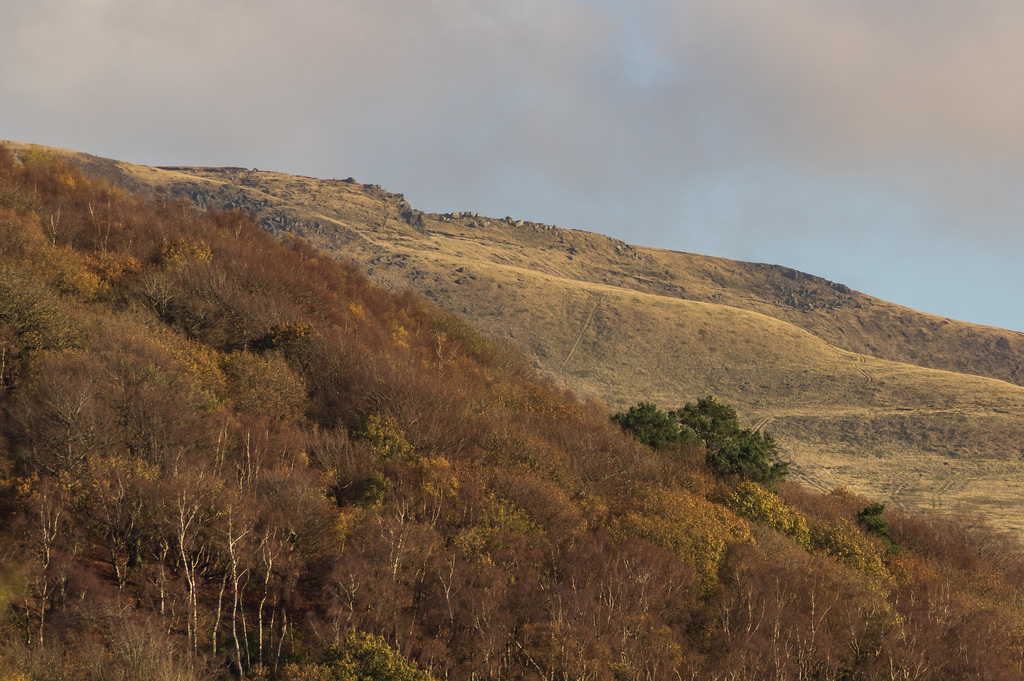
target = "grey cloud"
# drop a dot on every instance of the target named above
(865, 77)
(926, 97)
(830, 81)
(736, 125)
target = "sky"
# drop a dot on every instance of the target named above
(876, 144)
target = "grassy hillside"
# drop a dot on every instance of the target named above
(890, 402)
(225, 456)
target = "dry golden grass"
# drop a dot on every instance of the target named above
(895, 404)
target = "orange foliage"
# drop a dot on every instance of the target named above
(264, 453)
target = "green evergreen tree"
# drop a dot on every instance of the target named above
(649, 425)
(730, 449)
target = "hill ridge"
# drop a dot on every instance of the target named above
(914, 380)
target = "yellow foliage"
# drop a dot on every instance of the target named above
(400, 336)
(68, 272)
(754, 502)
(306, 672)
(594, 510)
(20, 235)
(697, 530)
(472, 543)
(36, 156)
(25, 486)
(440, 484)
(287, 336)
(106, 467)
(109, 266)
(439, 480)
(202, 364)
(905, 568)
(346, 522)
(385, 437)
(504, 514)
(10, 675)
(476, 543)
(842, 541)
(174, 254)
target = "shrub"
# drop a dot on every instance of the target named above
(841, 540)
(871, 516)
(754, 502)
(174, 254)
(289, 338)
(375, 488)
(366, 657)
(695, 529)
(384, 437)
(264, 383)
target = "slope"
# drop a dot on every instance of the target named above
(224, 456)
(893, 403)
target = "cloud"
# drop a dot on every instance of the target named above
(864, 78)
(834, 82)
(925, 97)
(748, 115)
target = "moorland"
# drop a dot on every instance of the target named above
(910, 408)
(229, 455)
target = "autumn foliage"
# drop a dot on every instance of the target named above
(225, 456)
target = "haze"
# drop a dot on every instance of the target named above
(872, 143)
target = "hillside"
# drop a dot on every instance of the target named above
(227, 456)
(892, 403)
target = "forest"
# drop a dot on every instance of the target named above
(227, 456)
